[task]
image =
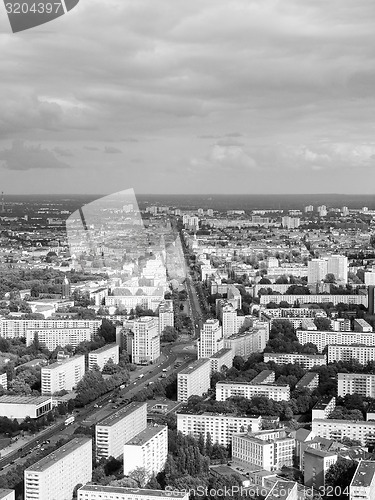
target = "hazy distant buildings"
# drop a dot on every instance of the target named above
(317, 270)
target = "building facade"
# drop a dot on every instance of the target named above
(193, 380)
(146, 341)
(62, 375)
(100, 357)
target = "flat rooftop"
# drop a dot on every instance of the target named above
(213, 414)
(133, 491)
(281, 354)
(234, 382)
(62, 362)
(117, 416)
(323, 402)
(221, 353)
(24, 400)
(145, 435)
(104, 348)
(57, 455)
(194, 366)
(364, 474)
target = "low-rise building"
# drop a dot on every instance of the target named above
(309, 381)
(148, 449)
(101, 356)
(100, 492)
(20, 407)
(221, 427)
(268, 449)
(324, 407)
(55, 476)
(113, 432)
(227, 389)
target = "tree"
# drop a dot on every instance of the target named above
(330, 278)
(169, 334)
(140, 476)
(107, 330)
(323, 324)
(340, 475)
(265, 281)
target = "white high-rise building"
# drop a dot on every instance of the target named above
(146, 343)
(63, 375)
(352, 429)
(322, 211)
(112, 433)
(229, 320)
(56, 476)
(148, 449)
(345, 211)
(166, 315)
(101, 356)
(317, 270)
(338, 265)
(59, 337)
(194, 380)
(100, 492)
(362, 353)
(211, 339)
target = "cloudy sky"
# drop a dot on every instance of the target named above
(204, 96)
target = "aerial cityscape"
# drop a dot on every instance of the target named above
(187, 250)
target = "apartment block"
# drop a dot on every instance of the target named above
(353, 429)
(307, 361)
(362, 486)
(362, 353)
(62, 375)
(268, 449)
(113, 432)
(356, 383)
(316, 464)
(146, 341)
(228, 318)
(315, 299)
(53, 338)
(100, 357)
(166, 315)
(56, 475)
(132, 301)
(323, 338)
(193, 380)
(99, 492)
(14, 328)
(220, 427)
(323, 408)
(224, 357)
(248, 342)
(227, 389)
(148, 449)
(211, 339)
(308, 381)
(317, 270)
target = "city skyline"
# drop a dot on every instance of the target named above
(251, 97)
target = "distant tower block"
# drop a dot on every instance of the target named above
(2, 202)
(66, 288)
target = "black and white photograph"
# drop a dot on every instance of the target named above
(187, 250)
